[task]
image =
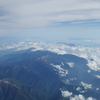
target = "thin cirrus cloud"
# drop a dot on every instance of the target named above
(41, 13)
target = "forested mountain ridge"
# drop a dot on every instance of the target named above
(43, 75)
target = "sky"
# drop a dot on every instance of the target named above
(50, 18)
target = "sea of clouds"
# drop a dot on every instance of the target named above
(91, 54)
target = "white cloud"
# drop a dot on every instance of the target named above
(86, 86)
(30, 14)
(89, 71)
(85, 52)
(69, 80)
(97, 89)
(93, 65)
(90, 98)
(77, 97)
(71, 64)
(81, 97)
(66, 93)
(62, 72)
(80, 89)
(98, 76)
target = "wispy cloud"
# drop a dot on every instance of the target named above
(32, 13)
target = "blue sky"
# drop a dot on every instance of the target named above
(50, 18)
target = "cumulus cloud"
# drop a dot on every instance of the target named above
(97, 89)
(77, 97)
(93, 65)
(86, 86)
(32, 14)
(80, 89)
(62, 72)
(71, 64)
(66, 94)
(81, 97)
(69, 80)
(89, 71)
(98, 76)
(90, 98)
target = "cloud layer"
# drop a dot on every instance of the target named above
(92, 54)
(37, 13)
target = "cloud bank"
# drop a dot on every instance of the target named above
(91, 54)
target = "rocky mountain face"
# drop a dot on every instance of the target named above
(43, 75)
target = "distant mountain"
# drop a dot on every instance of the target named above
(43, 75)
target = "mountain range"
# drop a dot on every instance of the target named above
(44, 75)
